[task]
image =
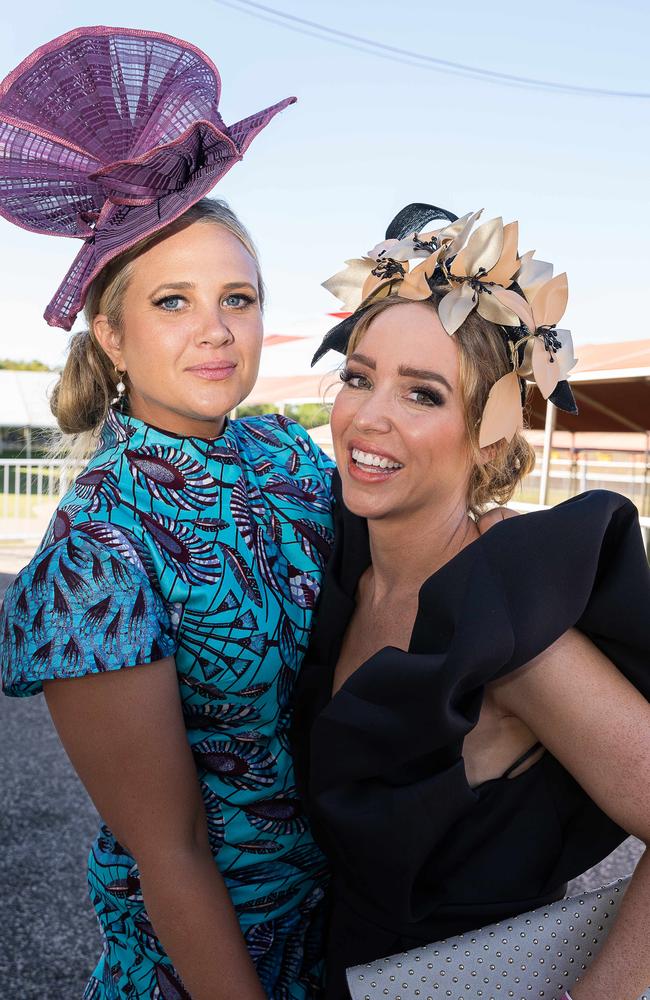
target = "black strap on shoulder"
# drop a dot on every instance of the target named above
(522, 760)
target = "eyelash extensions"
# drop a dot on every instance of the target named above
(434, 397)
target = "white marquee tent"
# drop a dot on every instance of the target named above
(24, 399)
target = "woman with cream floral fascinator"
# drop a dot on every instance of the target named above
(472, 719)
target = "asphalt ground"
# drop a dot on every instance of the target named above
(49, 940)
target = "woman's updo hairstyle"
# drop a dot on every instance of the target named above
(82, 395)
(483, 358)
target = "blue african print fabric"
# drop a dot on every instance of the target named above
(210, 551)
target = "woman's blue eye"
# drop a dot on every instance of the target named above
(170, 303)
(237, 301)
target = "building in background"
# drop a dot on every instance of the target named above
(607, 446)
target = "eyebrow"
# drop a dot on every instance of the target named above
(424, 373)
(419, 373)
(176, 285)
(186, 285)
(239, 284)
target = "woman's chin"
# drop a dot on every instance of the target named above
(366, 501)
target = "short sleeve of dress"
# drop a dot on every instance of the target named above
(79, 608)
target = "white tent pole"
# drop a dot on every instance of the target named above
(645, 508)
(549, 427)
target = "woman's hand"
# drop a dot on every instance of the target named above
(494, 516)
(125, 736)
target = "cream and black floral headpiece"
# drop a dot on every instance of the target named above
(479, 269)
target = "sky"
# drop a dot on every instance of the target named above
(369, 135)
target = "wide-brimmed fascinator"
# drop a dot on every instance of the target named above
(107, 136)
(469, 269)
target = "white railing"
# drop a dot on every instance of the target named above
(30, 490)
(569, 476)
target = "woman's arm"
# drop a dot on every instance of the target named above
(125, 736)
(598, 726)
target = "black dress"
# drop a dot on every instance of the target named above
(419, 855)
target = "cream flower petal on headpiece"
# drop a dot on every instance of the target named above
(415, 285)
(455, 307)
(551, 367)
(514, 305)
(533, 274)
(451, 237)
(491, 256)
(387, 248)
(551, 364)
(346, 285)
(482, 251)
(493, 310)
(545, 371)
(454, 236)
(564, 355)
(507, 265)
(374, 282)
(550, 301)
(400, 250)
(502, 415)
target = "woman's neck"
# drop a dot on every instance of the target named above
(406, 551)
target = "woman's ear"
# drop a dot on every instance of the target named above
(109, 340)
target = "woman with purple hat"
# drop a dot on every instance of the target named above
(168, 607)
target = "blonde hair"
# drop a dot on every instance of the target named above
(483, 358)
(83, 393)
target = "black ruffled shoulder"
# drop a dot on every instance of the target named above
(414, 847)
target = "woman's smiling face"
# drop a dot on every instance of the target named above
(191, 331)
(398, 423)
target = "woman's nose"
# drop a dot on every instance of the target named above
(373, 413)
(214, 329)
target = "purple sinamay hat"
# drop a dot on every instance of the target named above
(108, 135)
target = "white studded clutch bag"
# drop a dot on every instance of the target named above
(535, 956)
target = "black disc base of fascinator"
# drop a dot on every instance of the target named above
(413, 218)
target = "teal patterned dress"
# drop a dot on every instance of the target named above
(210, 551)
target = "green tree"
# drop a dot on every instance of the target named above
(307, 414)
(24, 366)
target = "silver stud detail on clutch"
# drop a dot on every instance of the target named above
(556, 945)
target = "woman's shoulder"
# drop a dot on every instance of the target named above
(562, 553)
(531, 578)
(284, 442)
(512, 592)
(593, 509)
(85, 603)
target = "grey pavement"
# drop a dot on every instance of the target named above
(49, 941)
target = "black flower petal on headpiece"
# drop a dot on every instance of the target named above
(338, 338)
(562, 397)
